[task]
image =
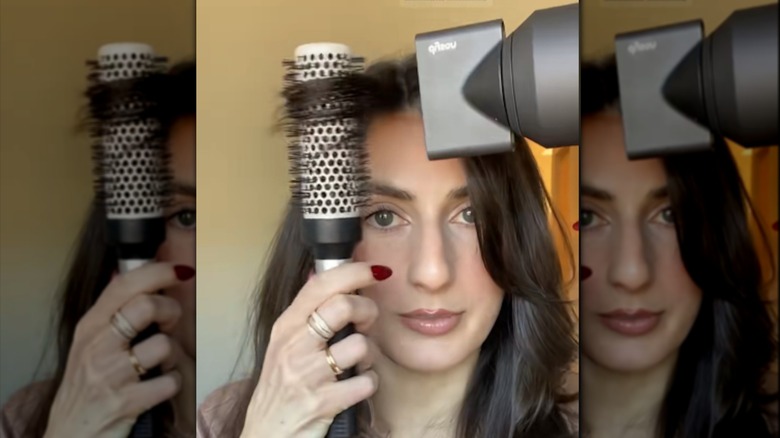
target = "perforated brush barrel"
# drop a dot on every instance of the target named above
(131, 157)
(330, 157)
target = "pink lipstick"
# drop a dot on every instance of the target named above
(635, 322)
(430, 322)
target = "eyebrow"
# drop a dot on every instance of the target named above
(604, 195)
(394, 192)
(184, 189)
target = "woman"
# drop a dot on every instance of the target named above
(96, 388)
(468, 238)
(676, 340)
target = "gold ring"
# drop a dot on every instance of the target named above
(122, 326)
(139, 369)
(319, 326)
(332, 362)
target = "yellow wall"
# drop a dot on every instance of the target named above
(45, 170)
(242, 168)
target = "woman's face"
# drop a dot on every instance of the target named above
(179, 245)
(639, 303)
(420, 224)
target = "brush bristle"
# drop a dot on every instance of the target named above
(324, 121)
(132, 177)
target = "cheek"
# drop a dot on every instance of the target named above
(179, 249)
(390, 251)
(595, 256)
(681, 296)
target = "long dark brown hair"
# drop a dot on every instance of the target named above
(717, 389)
(517, 387)
(94, 261)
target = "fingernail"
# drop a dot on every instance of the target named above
(184, 273)
(585, 272)
(774, 226)
(381, 272)
(576, 226)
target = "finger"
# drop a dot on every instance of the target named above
(346, 353)
(178, 359)
(143, 310)
(142, 396)
(340, 310)
(343, 394)
(370, 358)
(343, 279)
(147, 279)
(153, 352)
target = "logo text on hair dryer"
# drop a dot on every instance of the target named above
(638, 46)
(442, 47)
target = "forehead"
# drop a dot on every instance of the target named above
(397, 155)
(605, 164)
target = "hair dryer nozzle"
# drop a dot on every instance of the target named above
(728, 82)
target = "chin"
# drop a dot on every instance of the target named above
(432, 355)
(626, 359)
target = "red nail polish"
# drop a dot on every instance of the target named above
(576, 226)
(774, 226)
(381, 272)
(183, 273)
(585, 272)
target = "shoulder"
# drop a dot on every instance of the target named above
(219, 407)
(772, 409)
(16, 412)
(571, 404)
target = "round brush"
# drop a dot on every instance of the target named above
(324, 98)
(132, 177)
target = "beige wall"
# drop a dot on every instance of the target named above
(242, 168)
(45, 176)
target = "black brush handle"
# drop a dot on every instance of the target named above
(147, 425)
(345, 423)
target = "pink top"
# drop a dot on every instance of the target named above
(15, 414)
(219, 407)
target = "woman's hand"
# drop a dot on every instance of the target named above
(101, 393)
(298, 393)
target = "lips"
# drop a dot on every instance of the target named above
(631, 322)
(431, 322)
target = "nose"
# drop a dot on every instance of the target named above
(431, 264)
(630, 260)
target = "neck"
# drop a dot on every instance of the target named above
(618, 404)
(411, 403)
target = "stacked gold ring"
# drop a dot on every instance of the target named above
(319, 326)
(122, 326)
